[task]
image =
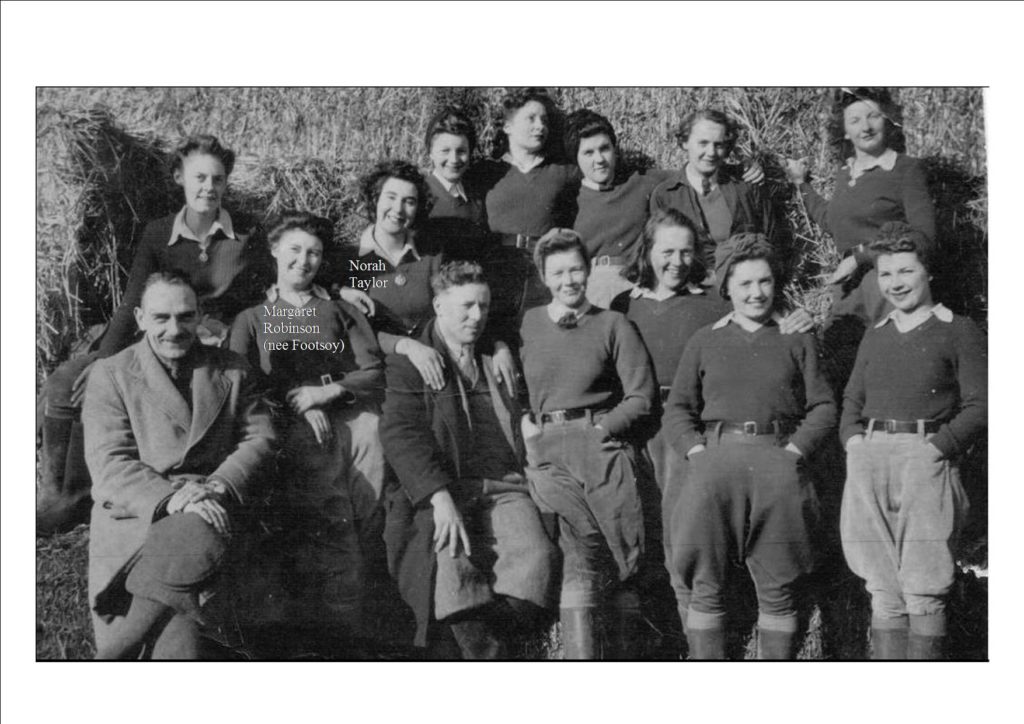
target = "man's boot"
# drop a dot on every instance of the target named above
(62, 500)
(625, 626)
(579, 633)
(889, 639)
(706, 644)
(775, 645)
(927, 637)
(477, 641)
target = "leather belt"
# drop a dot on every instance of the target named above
(520, 241)
(775, 427)
(896, 426)
(563, 416)
(606, 260)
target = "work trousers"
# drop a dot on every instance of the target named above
(591, 486)
(512, 555)
(746, 501)
(901, 516)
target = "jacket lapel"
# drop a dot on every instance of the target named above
(210, 390)
(156, 386)
(505, 407)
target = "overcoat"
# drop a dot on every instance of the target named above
(140, 434)
(420, 433)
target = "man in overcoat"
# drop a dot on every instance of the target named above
(175, 435)
(465, 541)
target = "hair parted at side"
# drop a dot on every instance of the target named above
(641, 272)
(511, 102)
(371, 184)
(732, 128)
(206, 144)
(898, 237)
(844, 97)
(582, 124)
(170, 277)
(318, 226)
(745, 246)
(557, 241)
(457, 274)
(453, 121)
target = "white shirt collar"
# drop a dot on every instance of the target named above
(885, 161)
(696, 180)
(454, 188)
(645, 293)
(456, 350)
(537, 161)
(180, 229)
(557, 310)
(939, 311)
(274, 293)
(730, 317)
(367, 245)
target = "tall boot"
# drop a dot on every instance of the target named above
(927, 637)
(62, 500)
(706, 644)
(889, 639)
(625, 626)
(477, 641)
(579, 633)
(775, 645)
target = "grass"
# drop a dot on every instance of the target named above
(101, 156)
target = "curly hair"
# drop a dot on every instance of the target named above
(585, 123)
(457, 274)
(206, 144)
(732, 129)
(896, 237)
(372, 183)
(845, 97)
(515, 99)
(452, 120)
(557, 241)
(641, 271)
(318, 226)
(746, 246)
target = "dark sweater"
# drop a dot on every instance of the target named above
(733, 375)
(358, 365)
(528, 203)
(667, 326)
(936, 371)
(226, 283)
(600, 364)
(611, 221)
(459, 227)
(855, 214)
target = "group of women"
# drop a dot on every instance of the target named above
(643, 311)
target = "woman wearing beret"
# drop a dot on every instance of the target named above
(747, 405)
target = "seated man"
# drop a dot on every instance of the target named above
(465, 541)
(174, 438)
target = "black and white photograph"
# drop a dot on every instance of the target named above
(395, 367)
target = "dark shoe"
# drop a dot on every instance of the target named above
(925, 648)
(775, 645)
(477, 641)
(579, 633)
(62, 500)
(706, 644)
(888, 644)
(624, 627)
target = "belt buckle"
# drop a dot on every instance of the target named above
(557, 416)
(326, 380)
(603, 260)
(749, 428)
(890, 426)
(522, 241)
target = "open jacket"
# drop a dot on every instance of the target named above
(140, 434)
(420, 433)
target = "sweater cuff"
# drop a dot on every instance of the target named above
(850, 431)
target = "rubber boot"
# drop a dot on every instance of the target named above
(889, 643)
(775, 645)
(62, 500)
(579, 633)
(706, 644)
(927, 637)
(625, 626)
(477, 641)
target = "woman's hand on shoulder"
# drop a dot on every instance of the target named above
(796, 170)
(427, 360)
(505, 367)
(846, 267)
(304, 398)
(796, 322)
(753, 174)
(699, 447)
(358, 299)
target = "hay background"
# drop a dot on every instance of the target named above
(101, 175)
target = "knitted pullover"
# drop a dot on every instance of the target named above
(611, 221)
(936, 371)
(529, 203)
(600, 364)
(732, 375)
